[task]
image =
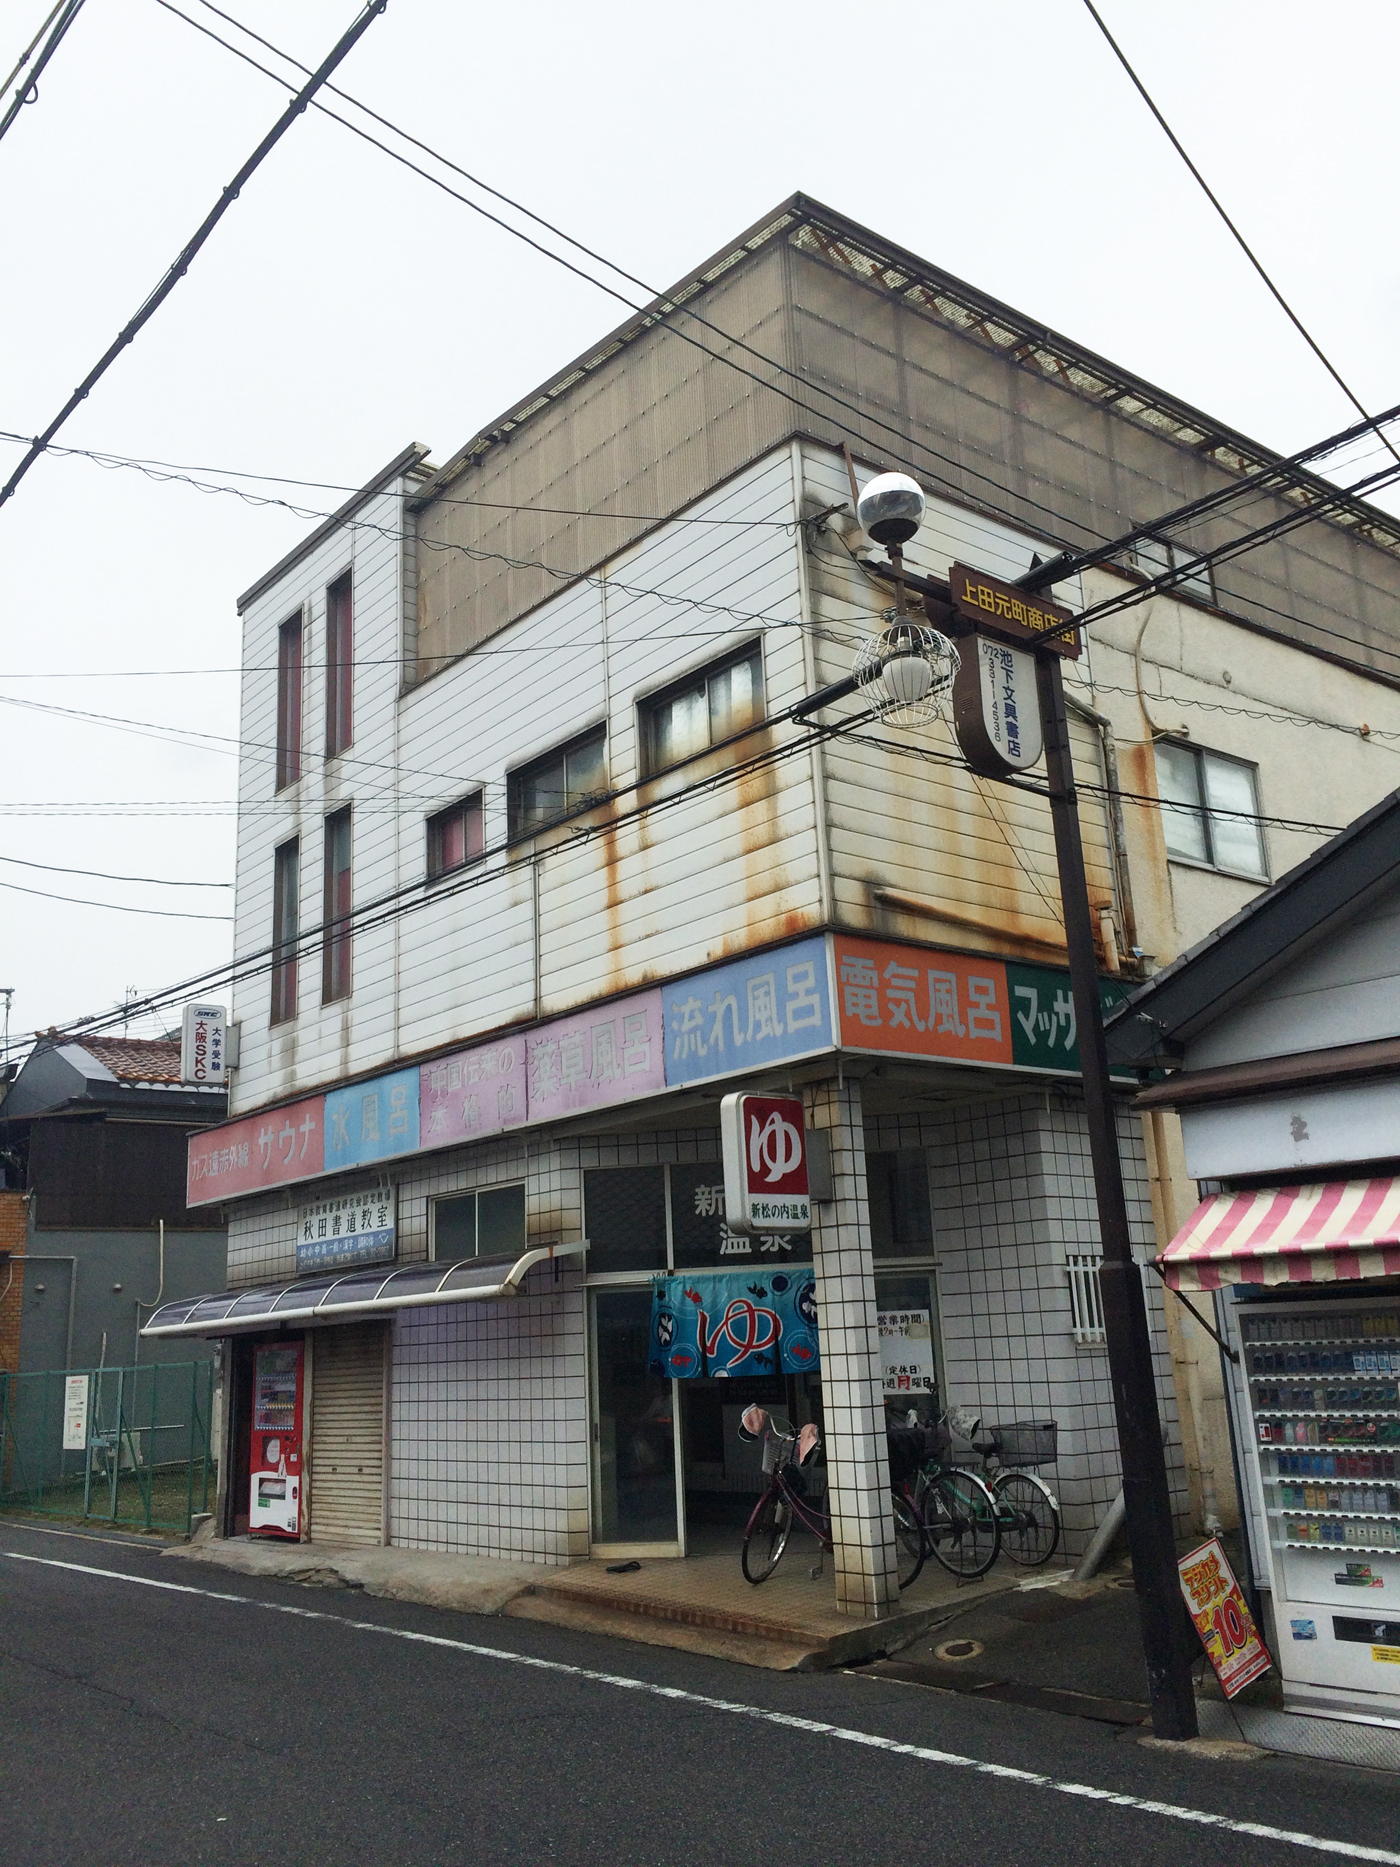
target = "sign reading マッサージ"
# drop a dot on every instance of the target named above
(1003, 609)
(1222, 1617)
(352, 1228)
(764, 1149)
(996, 709)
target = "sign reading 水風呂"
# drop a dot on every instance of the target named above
(372, 1121)
(1004, 609)
(763, 1009)
(352, 1228)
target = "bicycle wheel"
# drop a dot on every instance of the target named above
(960, 1517)
(910, 1539)
(1028, 1516)
(766, 1537)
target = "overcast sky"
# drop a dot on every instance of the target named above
(344, 307)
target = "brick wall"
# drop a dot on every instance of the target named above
(14, 1224)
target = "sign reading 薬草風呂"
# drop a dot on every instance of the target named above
(352, 1228)
(608, 1054)
(764, 1149)
(766, 1008)
(1004, 609)
(203, 1044)
(996, 708)
(1222, 1617)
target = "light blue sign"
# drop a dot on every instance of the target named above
(371, 1121)
(749, 1013)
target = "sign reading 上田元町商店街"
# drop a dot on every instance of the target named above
(351, 1228)
(967, 1008)
(765, 1008)
(735, 1323)
(1005, 609)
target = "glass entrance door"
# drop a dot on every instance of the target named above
(638, 1508)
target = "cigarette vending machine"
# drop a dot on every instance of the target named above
(1322, 1385)
(274, 1504)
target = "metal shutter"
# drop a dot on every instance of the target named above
(347, 1434)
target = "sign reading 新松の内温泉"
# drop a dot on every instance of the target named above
(764, 1149)
(352, 1228)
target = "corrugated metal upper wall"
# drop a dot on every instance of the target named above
(998, 411)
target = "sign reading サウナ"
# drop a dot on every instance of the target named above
(352, 1228)
(1003, 609)
(203, 1042)
(763, 1144)
(1222, 1619)
(996, 709)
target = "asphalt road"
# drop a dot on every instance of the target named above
(216, 1718)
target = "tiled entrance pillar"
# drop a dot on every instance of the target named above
(857, 1461)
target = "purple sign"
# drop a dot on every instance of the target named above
(479, 1092)
(609, 1054)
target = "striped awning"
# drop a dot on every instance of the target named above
(1289, 1234)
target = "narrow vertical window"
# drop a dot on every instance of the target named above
(289, 702)
(340, 666)
(335, 940)
(286, 876)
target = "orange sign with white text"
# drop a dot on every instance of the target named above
(1222, 1618)
(926, 1004)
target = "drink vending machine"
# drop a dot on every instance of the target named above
(274, 1503)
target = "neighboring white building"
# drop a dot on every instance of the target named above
(536, 745)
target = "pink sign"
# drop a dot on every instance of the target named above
(264, 1150)
(609, 1054)
(478, 1092)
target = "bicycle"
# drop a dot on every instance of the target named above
(960, 1516)
(1028, 1512)
(787, 1456)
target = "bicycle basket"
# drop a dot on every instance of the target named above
(1026, 1442)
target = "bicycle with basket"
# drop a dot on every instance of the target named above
(970, 1516)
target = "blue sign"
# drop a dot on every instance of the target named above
(736, 1323)
(749, 1013)
(370, 1121)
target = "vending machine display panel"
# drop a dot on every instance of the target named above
(275, 1474)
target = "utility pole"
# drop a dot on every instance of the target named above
(1147, 1502)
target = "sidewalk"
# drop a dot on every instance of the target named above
(701, 1603)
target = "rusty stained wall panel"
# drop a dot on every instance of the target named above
(644, 433)
(1077, 473)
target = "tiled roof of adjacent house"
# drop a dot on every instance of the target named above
(136, 1059)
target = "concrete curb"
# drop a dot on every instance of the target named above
(466, 1584)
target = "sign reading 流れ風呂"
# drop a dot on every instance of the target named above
(1223, 1620)
(204, 1045)
(762, 1009)
(996, 709)
(764, 1148)
(352, 1228)
(1003, 609)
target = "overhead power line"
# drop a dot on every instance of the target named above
(188, 253)
(1240, 240)
(103, 875)
(117, 907)
(65, 13)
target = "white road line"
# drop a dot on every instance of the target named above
(1323, 1844)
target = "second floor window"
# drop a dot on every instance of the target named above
(559, 784)
(707, 708)
(338, 901)
(286, 881)
(340, 666)
(455, 836)
(289, 701)
(1210, 809)
(1154, 557)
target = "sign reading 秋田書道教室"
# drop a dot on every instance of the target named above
(352, 1228)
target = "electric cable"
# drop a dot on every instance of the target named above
(1240, 240)
(188, 253)
(28, 91)
(102, 875)
(117, 907)
(28, 51)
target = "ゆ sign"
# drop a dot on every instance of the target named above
(765, 1164)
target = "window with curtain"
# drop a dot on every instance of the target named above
(286, 880)
(289, 655)
(558, 785)
(455, 836)
(704, 710)
(340, 666)
(338, 901)
(1210, 809)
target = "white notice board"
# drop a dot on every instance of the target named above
(75, 1412)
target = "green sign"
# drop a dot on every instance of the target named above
(1044, 1033)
